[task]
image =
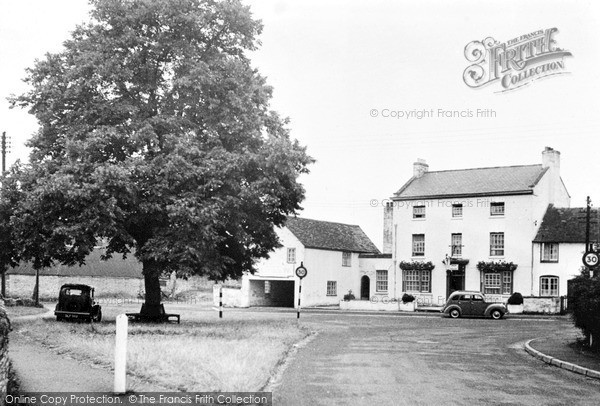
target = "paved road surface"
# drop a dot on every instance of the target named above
(391, 360)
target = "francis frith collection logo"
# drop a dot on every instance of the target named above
(514, 63)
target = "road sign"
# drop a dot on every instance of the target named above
(301, 271)
(591, 259)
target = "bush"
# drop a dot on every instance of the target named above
(349, 296)
(515, 299)
(26, 302)
(584, 302)
(406, 298)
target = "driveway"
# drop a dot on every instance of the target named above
(424, 360)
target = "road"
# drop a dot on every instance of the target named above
(424, 360)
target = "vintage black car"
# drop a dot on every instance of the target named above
(76, 301)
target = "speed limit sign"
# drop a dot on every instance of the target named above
(590, 259)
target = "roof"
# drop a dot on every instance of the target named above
(567, 225)
(495, 181)
(330, 236)
(116, 267)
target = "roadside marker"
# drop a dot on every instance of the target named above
(121, 354)
(301, 272)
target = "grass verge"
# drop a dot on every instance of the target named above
(18, 311)
(201, 354)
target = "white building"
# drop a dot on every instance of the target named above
(558, 249)
(337, 257)
(457, 218)
(495, 229)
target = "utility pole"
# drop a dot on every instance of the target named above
(587, 224)
(5, 149)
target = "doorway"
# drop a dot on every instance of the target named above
(455, 280)
(365, 288)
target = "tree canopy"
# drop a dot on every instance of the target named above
(156, 135)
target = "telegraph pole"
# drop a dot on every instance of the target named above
(5, 148)
(587, 223)
(4, 152)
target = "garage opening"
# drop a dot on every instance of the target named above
(272, 293)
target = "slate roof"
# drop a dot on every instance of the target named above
(330, 236)
(116, 267)
(495, 181)
(567, 225)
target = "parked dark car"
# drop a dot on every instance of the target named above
(470, 303)
(76, 301)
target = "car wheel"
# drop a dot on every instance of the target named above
(454, 313)
(496, 314)
(97, 317)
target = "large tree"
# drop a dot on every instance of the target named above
(156, 136)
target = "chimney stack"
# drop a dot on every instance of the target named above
(419, 168)
(388, 225)
(557, 193)
(551, 159)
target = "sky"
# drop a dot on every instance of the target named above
(344, 71)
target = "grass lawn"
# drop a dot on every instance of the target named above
(203, 353)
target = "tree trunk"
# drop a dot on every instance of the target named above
(36, 288)
(152, 308)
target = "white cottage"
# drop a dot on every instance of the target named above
(558, 249)
(334, 254)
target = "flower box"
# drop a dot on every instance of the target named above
(515, 309)
(407, 307)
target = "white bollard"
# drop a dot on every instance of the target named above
(121, 354)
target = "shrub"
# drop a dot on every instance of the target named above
(349, 296)
(515, 299)
(584, 301)
(406, 298)
(26, 302)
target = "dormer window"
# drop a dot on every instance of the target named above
(418, 212)
(497, 209)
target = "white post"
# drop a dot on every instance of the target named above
(121, 354)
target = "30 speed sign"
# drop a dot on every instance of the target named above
(590, 259)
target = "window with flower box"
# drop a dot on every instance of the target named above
(414, 280)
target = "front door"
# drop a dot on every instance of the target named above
(455, 280)
(365, 287)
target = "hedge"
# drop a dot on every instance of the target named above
(584, 302)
